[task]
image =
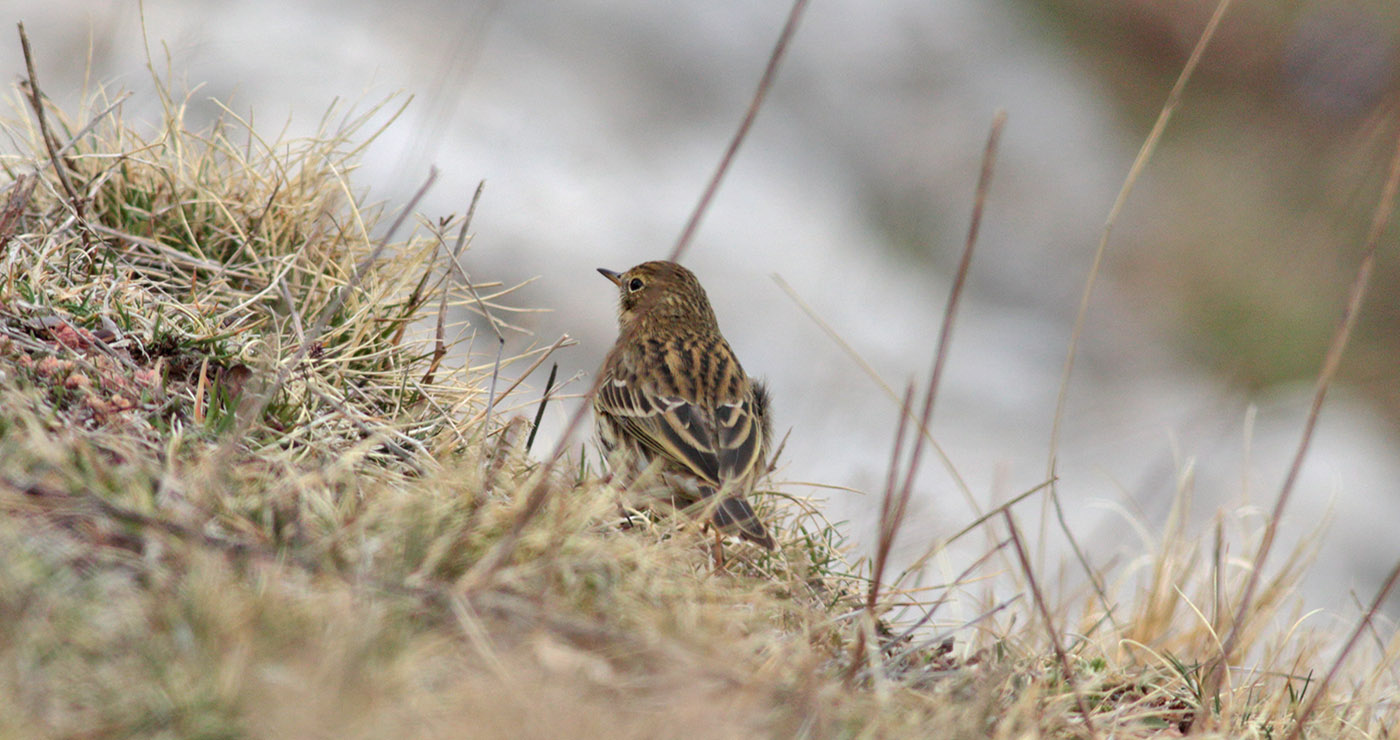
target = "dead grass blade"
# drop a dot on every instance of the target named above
(1149, 145)
(893, 504)
(36, 98)
(1380, 219)
(874, 375)
(284, 370)
(539, 412)
(1320, 691)
(770, 73)
(1050, 629)
(950, 311)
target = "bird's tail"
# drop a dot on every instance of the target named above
(734, 514)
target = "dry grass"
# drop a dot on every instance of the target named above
(246, 493)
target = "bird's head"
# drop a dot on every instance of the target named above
(660, 292)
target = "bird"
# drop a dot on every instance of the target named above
(673, 403)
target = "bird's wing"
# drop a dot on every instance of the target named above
(717, 446)
(739, 429)
(720, 441)
(667, 425)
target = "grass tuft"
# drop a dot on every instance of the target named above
(248, 491)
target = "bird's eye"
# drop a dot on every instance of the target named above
(634, 285)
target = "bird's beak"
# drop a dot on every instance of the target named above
(615, 277)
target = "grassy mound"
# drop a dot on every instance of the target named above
(251, 487)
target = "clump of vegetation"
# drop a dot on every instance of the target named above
(252, 487)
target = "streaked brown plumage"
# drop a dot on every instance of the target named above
(673, 400)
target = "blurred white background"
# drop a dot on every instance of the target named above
(597, 124)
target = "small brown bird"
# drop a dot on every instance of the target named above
(673, 400)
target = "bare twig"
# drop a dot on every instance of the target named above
(928, 614)
(950, 311)
(945, 634)
(893, 505)
(851, 352)
(37, 101)
(1149, 145)
(495, 374)
(467, 221)
(175, 256)
(88, 127)
(974, 524)
(1380, 220)
(769, 73)
(539, 413)
(495, 327)
(892, 510)
(16, 200)
(1321, 689)
(778, 452)
(1050, 628)
(439, 343)
(454, 262)
(564, 340)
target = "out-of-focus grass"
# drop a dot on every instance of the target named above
(1264, 186)
(247, 491)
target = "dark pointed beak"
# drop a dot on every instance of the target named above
(615, 277)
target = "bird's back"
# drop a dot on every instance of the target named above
(674, 399)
